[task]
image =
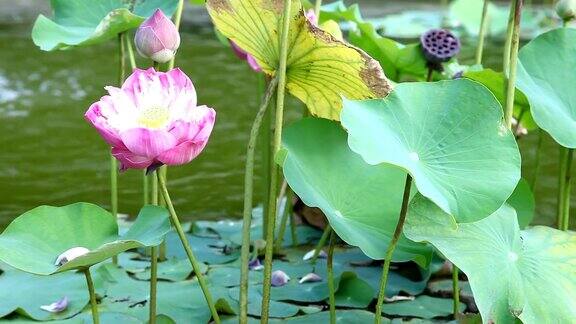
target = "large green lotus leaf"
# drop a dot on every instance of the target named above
(529, 274)
(545, 75)
(183, 301)
(422, 306)
(362, 202)
(495, 82)
(207, 249)
(89, 22)
(24, 293)
(320, 68)
(448, 135)
(522, 200)
(34, 240)
(84, 318)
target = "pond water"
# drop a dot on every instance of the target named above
(50, 155)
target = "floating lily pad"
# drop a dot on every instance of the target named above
(526, 274)
(230, 276)
(34, 240)
(320, 68)
(362, 202)
(172, 270)
(448, 135)
(89, 22)
(206, 249)
(342, 317)
(24, 293)
(422, 307)
(444, 287)
(545, 75)
(277, 309)
(353, 292)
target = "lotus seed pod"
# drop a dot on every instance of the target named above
(157, 38)
(439, 45)
(566, 9)
(70, 255)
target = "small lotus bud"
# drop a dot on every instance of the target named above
(157, 38)
(311, 17)
(311, 277)
(439, 45)
(566, 9)
(243, 55)
(70, 255)
(310, 254)
(57, 306)
(279, 278)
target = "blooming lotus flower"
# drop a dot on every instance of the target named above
(157, 38)
(153, 119)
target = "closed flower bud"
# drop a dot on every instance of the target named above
(157, 38)
(566, 9)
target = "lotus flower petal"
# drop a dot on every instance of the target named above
(310, 254)
(279, 278)
(255, 265)
(57, 306)
(311, 277)
(153, 119)
(70, 255)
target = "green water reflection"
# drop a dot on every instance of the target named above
(50, 155)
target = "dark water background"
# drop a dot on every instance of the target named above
(50, 155)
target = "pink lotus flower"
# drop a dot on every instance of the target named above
(243, 55)
(153, 119)
(157, 38)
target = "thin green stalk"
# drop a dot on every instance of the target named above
(145, 189)
(508, 40)
(391, 247)
(482, 32)
(266, 149)
(330, 269)
(153, 260)
(131, 57)
(248, 197)
(317, 7)
(455, 290)
(279, 119)
(563, 157)
(293, 229)
(514, 43)
(187, 248)
(162, 249)
(92, 292)
(321, 243)
(565, 180)
(284, 221)
(430, 75)
(177, 20)
(537, 160)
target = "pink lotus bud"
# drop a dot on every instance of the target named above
(153, 119)
(157, 38)
(243, 55)
(311, 16)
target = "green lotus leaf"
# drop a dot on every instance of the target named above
(522, 200)
(24, 293)
(362, 202)
(422, 307)
(89, 22)
(207, 249)
(34, 240)
(320, 68)
(277, 309)
(172, 270)
(528, 274)
(545, 75)
(342, 317)
(448, 135)
(469, 15)
(445, 287)
(495, 82)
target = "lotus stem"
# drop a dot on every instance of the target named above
(321, 243)
(330, 269)
(482, 32)
(266, 149)
(279, 119)
(455, 290)
(508, 40)
(317, 7)
(285, 216)
(187, 248)
(177, 20)
(293, 229)
(92, 292)
(131, 57)
(248, 195)
(391, 248)
(430, 75)
(514, 44)
(537, 160)
(564, 187)
(162, 249)
(153, 260)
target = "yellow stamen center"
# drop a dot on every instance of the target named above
(154, 117)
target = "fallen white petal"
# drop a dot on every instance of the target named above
(70, 255)
(310, 254)
(311, 277)
(56, 307)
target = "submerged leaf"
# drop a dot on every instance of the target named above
(527, 274)
(320, 68)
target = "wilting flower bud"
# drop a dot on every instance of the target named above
(157, 38)
(279, 278)
(566, 9)
(439, 45)
(311, 277)
(57, 306)
(70, 255)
